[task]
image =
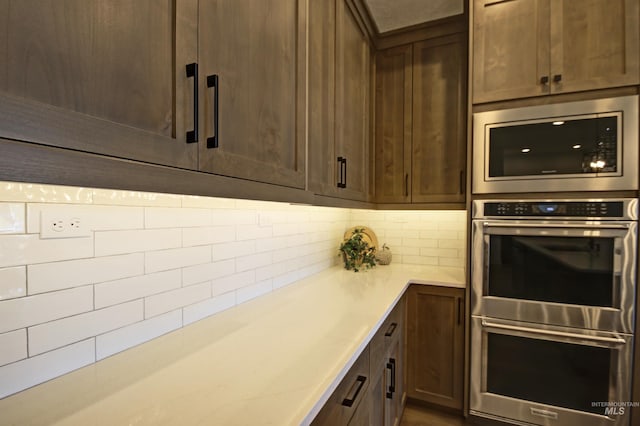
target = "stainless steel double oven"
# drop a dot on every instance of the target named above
(552, 299)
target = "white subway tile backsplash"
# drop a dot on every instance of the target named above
(231, 250)
(135, 198)
(36, 193)
(172, 259)
(119, 291)
(234, 217)
(457, 262)
(200, 310)
(233, 282)
(73, 273)
(254, 290)
(165, 302)
(163, 260)
(13, 282)
(458, 244)
(23, 249)
(420, 260)
(253, 261)
(439, 252)
(12, 218)
(208, 235)
(446, 235)
(155, 217)
(14, 346)
(286, 229)
(124, 338)
(287, 253)
(32, 371)
(194, 201)
(253, 232)
(55, 334)
(32, 310)
(207, 272)
(119, 242)
(97, 218)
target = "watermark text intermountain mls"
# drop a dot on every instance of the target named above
(615, 408)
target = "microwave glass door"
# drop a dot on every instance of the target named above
(559, 146)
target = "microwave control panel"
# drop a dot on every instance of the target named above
(608, 209)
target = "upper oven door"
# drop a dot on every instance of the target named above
(576, 146)
(575, 274)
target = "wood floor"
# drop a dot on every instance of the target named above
(420, 416)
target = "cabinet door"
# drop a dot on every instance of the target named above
(100, 77)
(439, 120)
(394, 385)
(256, 50)
(353, 63)
(393, 124)
(510, 49)
(351, 397)
(435, 345)
(321, 105)
(594, 44)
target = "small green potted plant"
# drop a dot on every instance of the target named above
(357, 253)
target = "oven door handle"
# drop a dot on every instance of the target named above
(614, 340)
(600, 225)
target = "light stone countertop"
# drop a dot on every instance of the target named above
(274, 360)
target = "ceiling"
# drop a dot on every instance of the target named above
(391, 15)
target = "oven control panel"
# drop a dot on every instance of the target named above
(609, 209)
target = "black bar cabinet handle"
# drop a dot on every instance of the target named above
(391, 329)
(557, 78)
(212, 81)
(192, 71)
(406, 184)
(459, 310)
(344, 164)
(342, 182)
(391, 365)
(544, 79)
(348, 402)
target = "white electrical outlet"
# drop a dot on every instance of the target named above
(63, 223)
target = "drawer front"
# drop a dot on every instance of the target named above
(389, 332)
(345, 400)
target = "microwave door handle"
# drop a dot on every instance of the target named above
(556, 225)
(599, 339)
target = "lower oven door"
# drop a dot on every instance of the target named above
(545, 375)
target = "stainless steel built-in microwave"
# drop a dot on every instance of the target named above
(575, 146)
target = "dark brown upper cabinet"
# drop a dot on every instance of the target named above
(420, 122)
(525, 48)
(339, 101)
(99, 76)
(133, 80)
(257, 51)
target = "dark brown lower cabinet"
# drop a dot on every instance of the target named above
(373, 392)
(349, 398)
(435, 345)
